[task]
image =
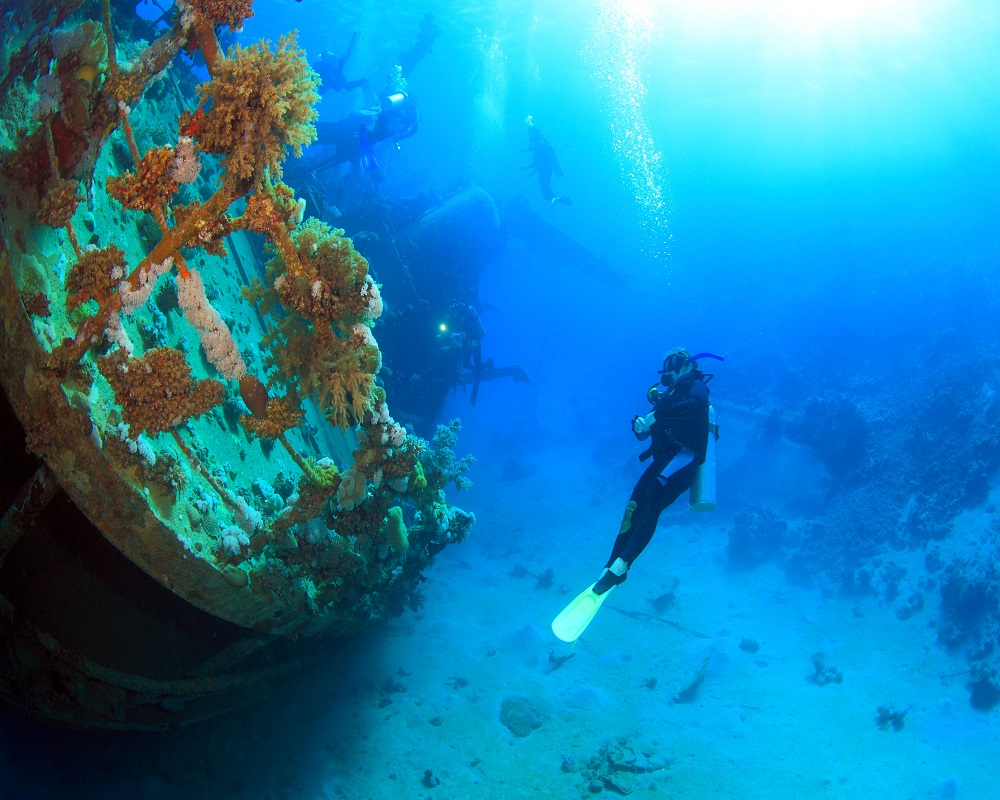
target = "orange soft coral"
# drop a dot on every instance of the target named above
(328, 279)
(95, 276)
(59, 203)
(260, 104)
(324, 366)
(260, 215)
(269, 211)
(280, 416)
(323, 348)
(156, 392)
(151, 186)
(224, 12)
(209, 233)
(317, 486)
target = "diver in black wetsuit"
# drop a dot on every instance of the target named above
(679, 427)
(330, 69)
(462, 332)
(461, 335)
(353, 137)
(426, 36)
(545, 163)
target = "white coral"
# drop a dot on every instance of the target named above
(187, 162)
(65, 41)
(49, 96)
(364, 333)
(187, 14)
(248, 518)
(370, 291)
(398, 484)
(133, 299)
(352, 490)
(396, 434)
(117, 334)
(219, 344)
(233, 540)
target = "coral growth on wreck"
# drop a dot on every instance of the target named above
(321, 346)
(151, 186)
(138, 241)
(95, 276)
(223, 12)
(259, 104)
(156, 391)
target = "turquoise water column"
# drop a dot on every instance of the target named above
(621, 37)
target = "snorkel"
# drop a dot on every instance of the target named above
(706, 355)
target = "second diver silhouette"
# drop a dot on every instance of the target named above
(544, 163)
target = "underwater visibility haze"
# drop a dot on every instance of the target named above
(353, 352)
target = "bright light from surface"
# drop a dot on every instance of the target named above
(809, 19)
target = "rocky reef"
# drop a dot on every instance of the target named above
(970, 616)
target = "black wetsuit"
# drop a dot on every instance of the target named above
(681, 427)
(330, 69)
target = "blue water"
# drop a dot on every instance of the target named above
(812, 194)
(828, 181)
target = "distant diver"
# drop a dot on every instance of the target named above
(461, 335)
(462, 331)
(353, 138)
(683, 433)
(428, 33)
(330, 68)
(544, 162)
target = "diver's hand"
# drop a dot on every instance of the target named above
(640, 426)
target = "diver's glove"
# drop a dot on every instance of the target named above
(641, 426)
(613, 576)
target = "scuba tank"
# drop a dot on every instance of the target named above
(702, 494)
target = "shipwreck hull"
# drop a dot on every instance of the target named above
(87, 639)
(220, 492)
(107, 618)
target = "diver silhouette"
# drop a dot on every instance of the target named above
(330, 69)
(545, 163)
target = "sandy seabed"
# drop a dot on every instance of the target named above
(413, 709)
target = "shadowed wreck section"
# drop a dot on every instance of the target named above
(215, 490)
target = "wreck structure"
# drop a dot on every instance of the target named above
(216, 491)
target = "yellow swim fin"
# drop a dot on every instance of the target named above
(574, 619)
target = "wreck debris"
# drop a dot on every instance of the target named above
(618, 765)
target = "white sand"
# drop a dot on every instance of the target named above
(758, 727)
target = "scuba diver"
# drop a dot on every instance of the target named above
(461, 334)
(398, 118)
(330, 69)
(683, 432)
(353, 138)
(545, 163)
(429, 31)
